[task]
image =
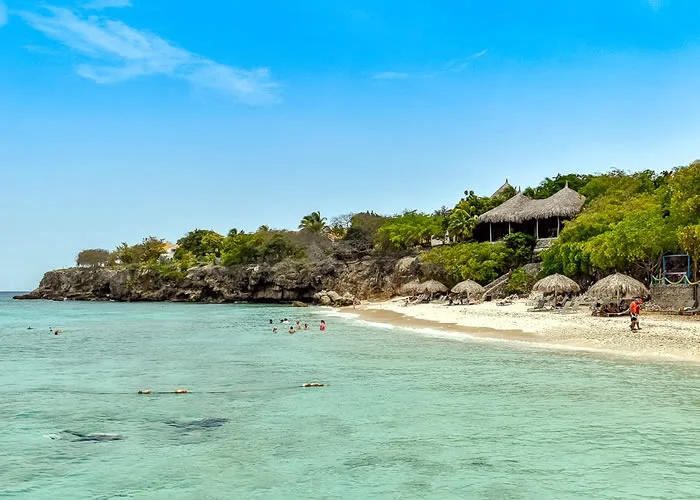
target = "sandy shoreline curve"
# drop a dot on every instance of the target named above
(663, 337)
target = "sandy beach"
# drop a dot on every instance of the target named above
(662, 336)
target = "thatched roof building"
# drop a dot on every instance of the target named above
(510, 210)
(503, 190)
(539, 217)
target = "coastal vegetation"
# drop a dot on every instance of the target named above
(628, 223)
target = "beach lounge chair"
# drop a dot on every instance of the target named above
(689, 308)
(539, 307)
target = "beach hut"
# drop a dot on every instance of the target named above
(541, 218)
(618, 286)
(556, 283)
(432, 287)
(468, 288)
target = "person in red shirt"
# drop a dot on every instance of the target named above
(635, 308)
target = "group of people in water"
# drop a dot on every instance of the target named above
(298, 327)
(51, 330)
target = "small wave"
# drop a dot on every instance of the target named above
(338, 314)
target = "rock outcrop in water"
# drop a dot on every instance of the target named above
(327, 281)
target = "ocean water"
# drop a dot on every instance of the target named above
(405, 414)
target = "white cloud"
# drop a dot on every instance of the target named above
(105, 4)
(454, 66)
(457, 65)
(3, 14)
(389, 75)
(115, 52)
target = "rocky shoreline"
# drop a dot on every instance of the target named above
(327, 282)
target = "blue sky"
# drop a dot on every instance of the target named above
(122, 119)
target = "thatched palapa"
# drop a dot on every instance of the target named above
(565, 203)
(618, 286)
(468, 287)
(410, 288)
(556, 283)
(508, 211)
(432, 286)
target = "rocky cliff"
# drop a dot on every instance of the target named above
(287, 281)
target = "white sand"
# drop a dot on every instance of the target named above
(661, 336)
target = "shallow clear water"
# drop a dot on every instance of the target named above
(406, 414)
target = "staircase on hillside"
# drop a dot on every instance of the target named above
(496, 289)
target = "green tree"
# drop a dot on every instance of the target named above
(520, 282)
(461, 224)
(689, 240)
(313, 222)
(93, 257)
(409, 230)
(481, 262)
(149, 250)
(685, 194)
(550, 186)
(123, 254)
(640, 239)
(201, 242)
(522, 245)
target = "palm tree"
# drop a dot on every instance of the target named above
(461, 223)
(313, 222)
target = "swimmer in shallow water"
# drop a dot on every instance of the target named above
(292, 330)
(274, 330)
(306, 326)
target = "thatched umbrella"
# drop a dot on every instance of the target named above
(432, 286)
(618, 285)
(556, 283)
(410, 288)
(468, 287)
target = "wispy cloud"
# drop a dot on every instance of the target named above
(105, 4)
(389, 75)
(457, 65)
(454, 66)
(115, 52)
(3, 14)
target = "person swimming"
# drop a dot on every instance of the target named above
(323, 326)
(292, 330)
(270, 321)
(274, 330)
(306, 326)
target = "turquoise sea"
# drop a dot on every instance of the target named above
(405, 414)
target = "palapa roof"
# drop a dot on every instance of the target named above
(432, 286)
(410, 288)
(502, 190)
(556, 283)
(469, 287)
(506, 210)
(564, 203)
(616, 286)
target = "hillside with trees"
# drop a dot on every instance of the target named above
(629, 222)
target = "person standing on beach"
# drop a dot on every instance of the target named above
(635, 308)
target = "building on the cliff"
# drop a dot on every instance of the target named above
(503, 190)
(169, 251)
(541, 218)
